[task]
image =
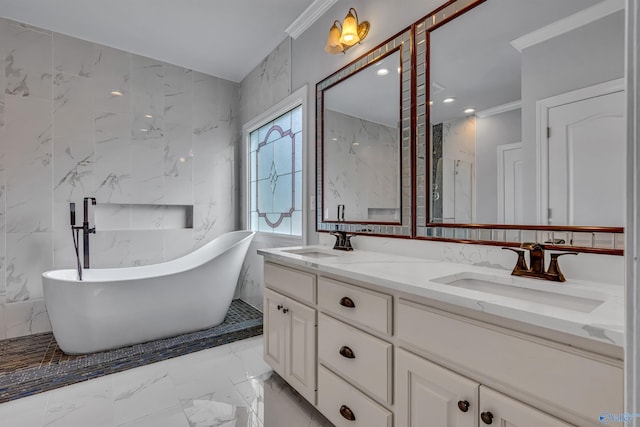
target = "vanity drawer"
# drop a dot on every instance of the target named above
(553, 376)
(297, 284)
(370, 309)
(336, 399)
(370, 368)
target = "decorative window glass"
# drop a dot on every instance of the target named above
(275, 185)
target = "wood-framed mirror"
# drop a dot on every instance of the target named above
(364, 143)
(520, 123)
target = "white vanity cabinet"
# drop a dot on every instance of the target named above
(430, 393)
(367, 354)
(290, 328)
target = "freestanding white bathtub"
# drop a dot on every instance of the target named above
(116, 307)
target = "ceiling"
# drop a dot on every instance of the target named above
(223, 38)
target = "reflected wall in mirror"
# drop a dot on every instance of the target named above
(364, 137)
(525, 115)
(362, 144)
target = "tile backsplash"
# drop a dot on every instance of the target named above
(78, 119)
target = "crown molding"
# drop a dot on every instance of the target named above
(571, 22)
(498, 109)
(308, 17)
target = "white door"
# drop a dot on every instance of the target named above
(429, 395)
(510, 184)
(500, 410)
(586, 161)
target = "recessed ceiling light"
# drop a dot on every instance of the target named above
(399, 70)
(116, 93)
(355, 143)
(382, 72)
(430, 102)
(470, 111)
(144, 130)
(148, 116)
(335, 139)
(448, 100)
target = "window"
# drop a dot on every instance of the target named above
(275, 163)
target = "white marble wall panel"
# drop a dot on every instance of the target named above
(3, 51)
(73, 136)
(26, 318)
(111, 249)
(27, 61)
(28, 165)
(178, 149)
(112, 168)
(3, 320)
(268, 83)
(28, 256)
(146, 247)
(112, 80)
(73, 56)
(3, 235)
(177, 243)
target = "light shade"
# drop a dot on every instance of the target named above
(333, 41)
(349, 35)
(342, 37)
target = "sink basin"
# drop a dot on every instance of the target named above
(525, 290)
(311, 253)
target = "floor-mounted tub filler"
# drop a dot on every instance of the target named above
(116, 307)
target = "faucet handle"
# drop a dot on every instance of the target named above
(554, 266)
(521, 263)
(347, 242)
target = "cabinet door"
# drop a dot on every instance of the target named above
(428, 394)
(274, 331)
(500, 410)
(301, 349)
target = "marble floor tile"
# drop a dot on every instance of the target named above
(226, 386)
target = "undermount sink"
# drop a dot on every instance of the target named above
(524, 289)
(310, 252)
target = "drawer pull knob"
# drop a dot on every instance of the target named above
(279, 307)
(347, 352)
(463, 405)
(347, 302)
(285, 310)
(486, 417)
(347, 413)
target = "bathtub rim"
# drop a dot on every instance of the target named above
(70, 275)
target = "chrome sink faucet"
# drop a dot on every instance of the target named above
(536, 262)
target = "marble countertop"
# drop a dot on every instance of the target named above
(425, 278)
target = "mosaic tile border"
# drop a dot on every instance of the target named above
(242, 321)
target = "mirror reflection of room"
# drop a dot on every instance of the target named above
(496, 86)
(361, 142)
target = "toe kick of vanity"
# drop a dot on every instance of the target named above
(383, 357)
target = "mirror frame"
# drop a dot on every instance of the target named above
(593, 239)
(403, 42)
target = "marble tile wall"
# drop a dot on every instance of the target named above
(362, 167)
(78, 119)
(262, 88)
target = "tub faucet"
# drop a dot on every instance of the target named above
(86, 230)
(536, 262)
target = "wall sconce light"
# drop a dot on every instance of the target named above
(342, 37)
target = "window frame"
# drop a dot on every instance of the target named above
(296, 99)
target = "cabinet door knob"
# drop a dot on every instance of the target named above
(347, 413)
(285, 310)
(347, 302)
(463, 405)
(486, 417)
(279, 307)
(347, 352)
